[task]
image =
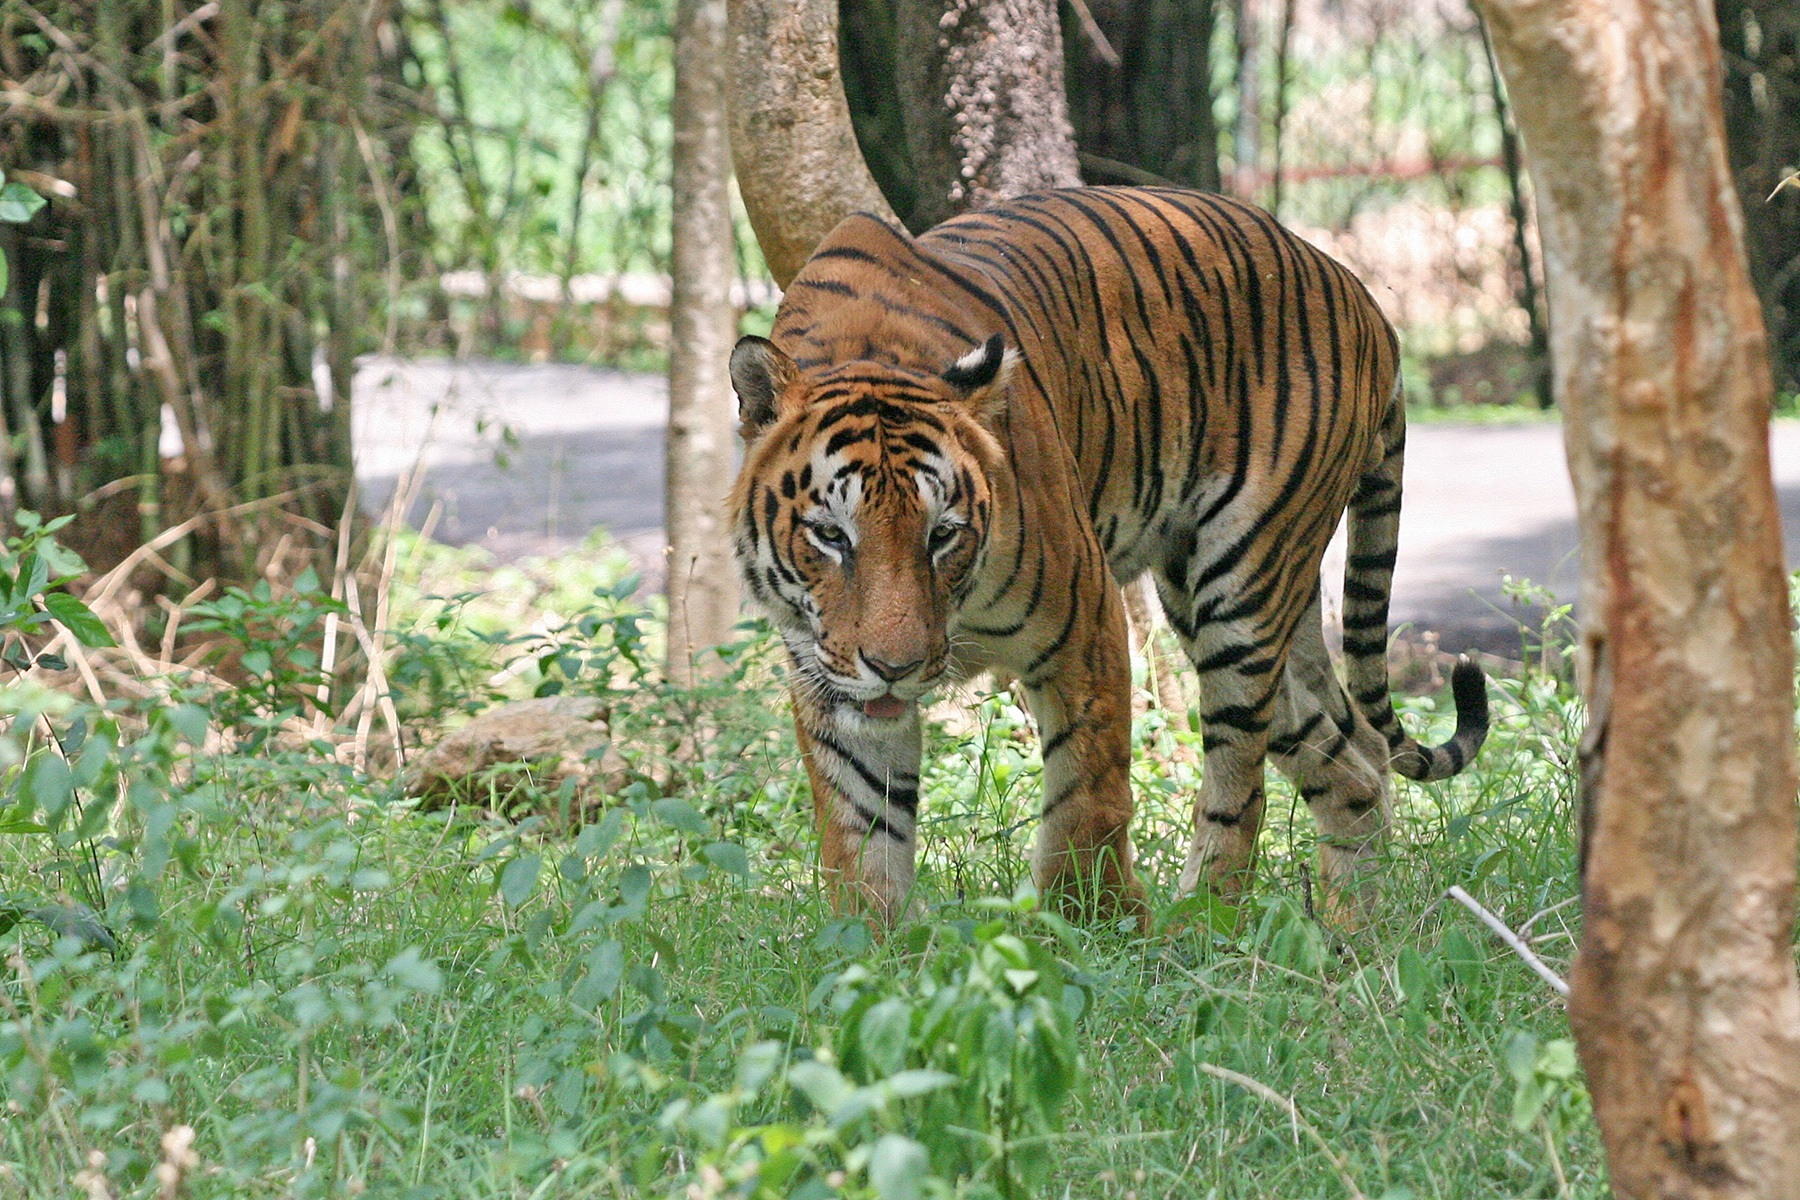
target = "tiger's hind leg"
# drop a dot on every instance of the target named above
(1338, 762)
(1239, 661)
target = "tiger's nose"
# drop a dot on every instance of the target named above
(892, 671)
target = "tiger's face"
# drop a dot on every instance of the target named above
(862, 513)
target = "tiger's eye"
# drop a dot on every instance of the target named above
(831, 533)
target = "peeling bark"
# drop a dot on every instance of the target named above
(798, 166)
(1684, 999)
(701, 444)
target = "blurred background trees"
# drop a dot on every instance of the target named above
(245, 198)
(225, 187)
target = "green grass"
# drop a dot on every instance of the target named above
(342, 994)
(1481, 414)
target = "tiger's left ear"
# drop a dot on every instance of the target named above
(982, 375)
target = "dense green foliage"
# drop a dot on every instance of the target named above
(232, 959)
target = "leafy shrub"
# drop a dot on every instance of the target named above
(269, 638)
(949, 1079)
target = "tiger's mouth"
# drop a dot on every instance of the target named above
(841, 688)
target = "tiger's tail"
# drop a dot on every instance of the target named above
(1368, 584)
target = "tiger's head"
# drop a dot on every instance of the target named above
(863, 510)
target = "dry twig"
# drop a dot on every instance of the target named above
(1264, 1092)
(1512, 940)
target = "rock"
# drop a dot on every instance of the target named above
(565, 737)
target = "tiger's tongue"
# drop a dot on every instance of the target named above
(886, 708)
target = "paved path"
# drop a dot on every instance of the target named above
(527, 459)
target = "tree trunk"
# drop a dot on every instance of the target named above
(1684, 1000)
(1762, 121)
(866, 53)
(1284, 41)
(1526, 290)
(1247, 136)
(981, 86)
(798, 165)
(702, 584)
(1140, 92)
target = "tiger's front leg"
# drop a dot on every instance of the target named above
(865, 784)
(1082, 705)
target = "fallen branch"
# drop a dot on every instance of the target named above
(1513, 940)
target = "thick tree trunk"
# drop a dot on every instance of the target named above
(866, 53)
(798, 165)
(1140, 92)
(981, 85)
(1684, 999)
(702, 584)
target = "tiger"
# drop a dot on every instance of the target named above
(959, 445)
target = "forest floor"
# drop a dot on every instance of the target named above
(265, 972)
(528, 459)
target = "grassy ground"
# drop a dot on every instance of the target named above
(339, 994)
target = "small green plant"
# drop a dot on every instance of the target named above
(1548, 1093)
(63, 755)
(275, 638)
(1547, 629)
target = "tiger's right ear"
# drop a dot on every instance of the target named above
(760, 373)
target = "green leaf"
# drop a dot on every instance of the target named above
(756, 1066)
(410, 969)
(189, 720)
(519, 877)
(898, 1167)
(1557, 1059)
(595, 840)
(728, 856)
(62, 561)
(18, 203)
(1521, 1056)
(87, 628)
(34, 577)
(75, 920)
(1021, 981)
(821, 1083)
(1528, 1103)
(605, 967)
(883, 1035)
(1465, 960)
(634, 889)
(257, 662)
(50, 783)
(1415, 977)
(908, 1084)
(680, 814)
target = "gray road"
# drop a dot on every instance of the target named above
(527, 459)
